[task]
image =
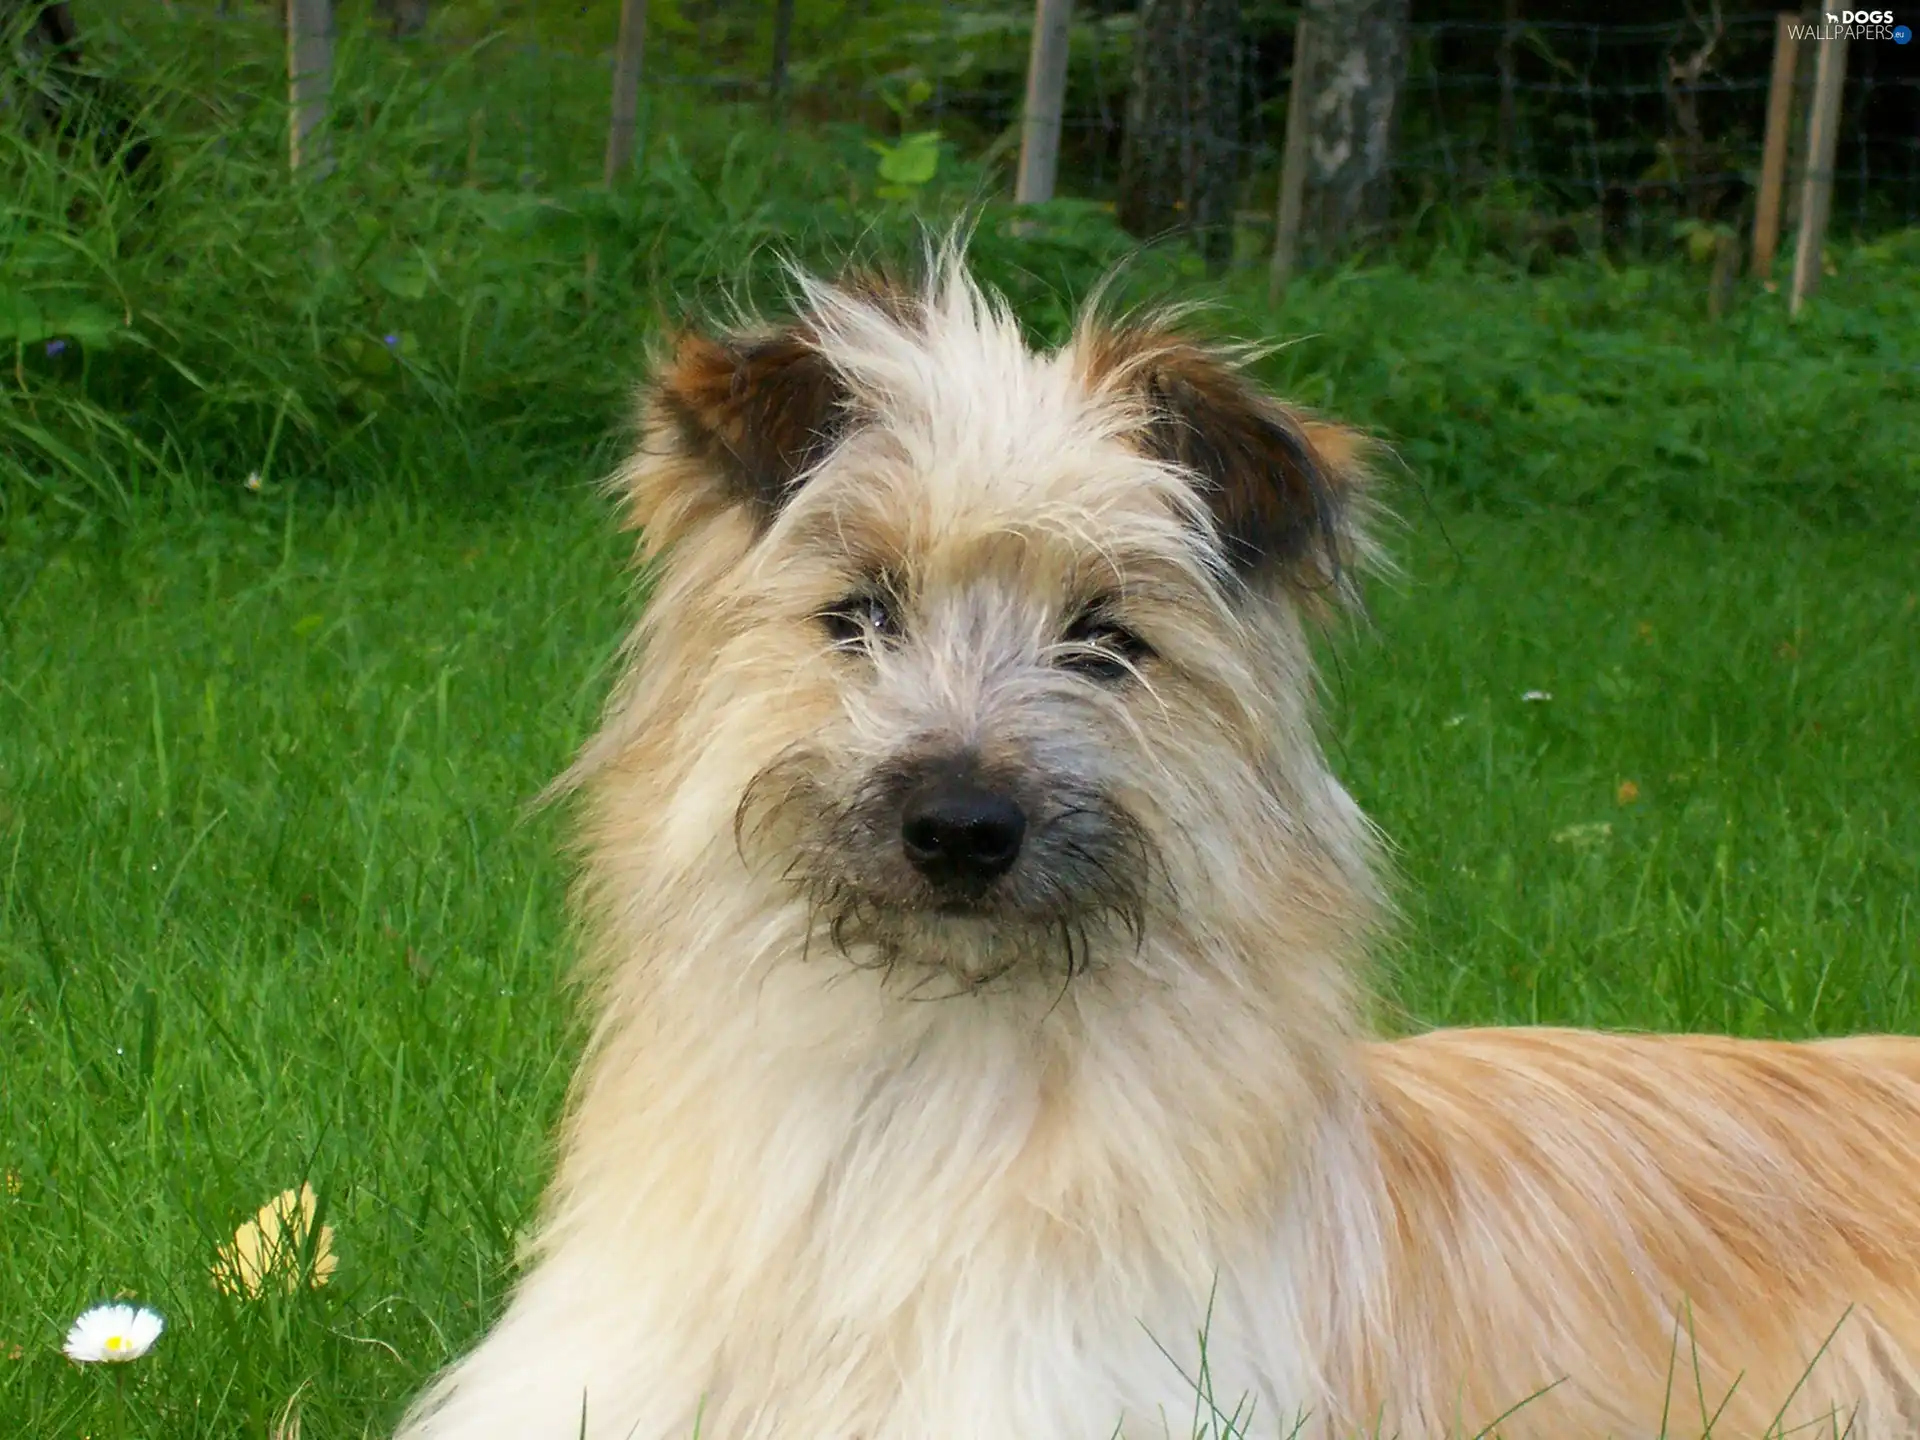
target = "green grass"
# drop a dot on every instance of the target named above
(271, 913)
(1709, 825)
(462, 300)
(269, 908)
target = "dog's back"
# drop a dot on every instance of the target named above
(1657, 1235)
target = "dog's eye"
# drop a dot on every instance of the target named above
(861, 615)
(1102, 648)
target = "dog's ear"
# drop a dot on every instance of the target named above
(1287, 491)
(732, 423)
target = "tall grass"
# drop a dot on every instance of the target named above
(443, 301)
(461, 300)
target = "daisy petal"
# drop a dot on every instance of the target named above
(113, 1333)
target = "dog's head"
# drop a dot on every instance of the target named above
(973, 661)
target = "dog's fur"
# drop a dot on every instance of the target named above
(852, 1159)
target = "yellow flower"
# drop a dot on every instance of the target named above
(269, 1248)
(1627, 793)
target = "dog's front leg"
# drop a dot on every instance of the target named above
(568, 1361)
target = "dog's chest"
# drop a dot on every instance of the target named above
(990, 1344)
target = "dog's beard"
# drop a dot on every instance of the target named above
(1078, 894)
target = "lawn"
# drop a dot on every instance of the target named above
(272, 909)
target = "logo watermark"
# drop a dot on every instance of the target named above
(1853, 25)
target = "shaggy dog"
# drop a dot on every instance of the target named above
(975, 938)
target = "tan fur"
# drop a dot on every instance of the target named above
(1676, 1224)
(843, 1164)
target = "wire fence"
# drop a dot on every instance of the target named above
(1626, 126)
(1579, 134)
(1640, 123)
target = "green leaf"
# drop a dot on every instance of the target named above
(370, 358)
(20, 319)
(30, 320)
(405, 276)
(914, 161)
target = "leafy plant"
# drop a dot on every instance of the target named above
(907, 165)
(462, 302)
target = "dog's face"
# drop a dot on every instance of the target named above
(988, 662)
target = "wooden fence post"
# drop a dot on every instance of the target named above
(309, 85)
(1507, 126)
(627, 54)
(1806, 59)
(1293, 164)
(782, 43)
(1773, 160)
(1046, 100)
(1823, 134)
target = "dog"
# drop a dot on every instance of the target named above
(975, 944)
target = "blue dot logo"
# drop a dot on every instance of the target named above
(1901, 34)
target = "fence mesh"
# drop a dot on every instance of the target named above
(1593, 131)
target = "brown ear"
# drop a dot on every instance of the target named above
(735, 422)
(1284, 489)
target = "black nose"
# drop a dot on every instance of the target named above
(956, 832)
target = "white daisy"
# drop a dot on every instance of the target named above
(1534, 697)
(113, 1332)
